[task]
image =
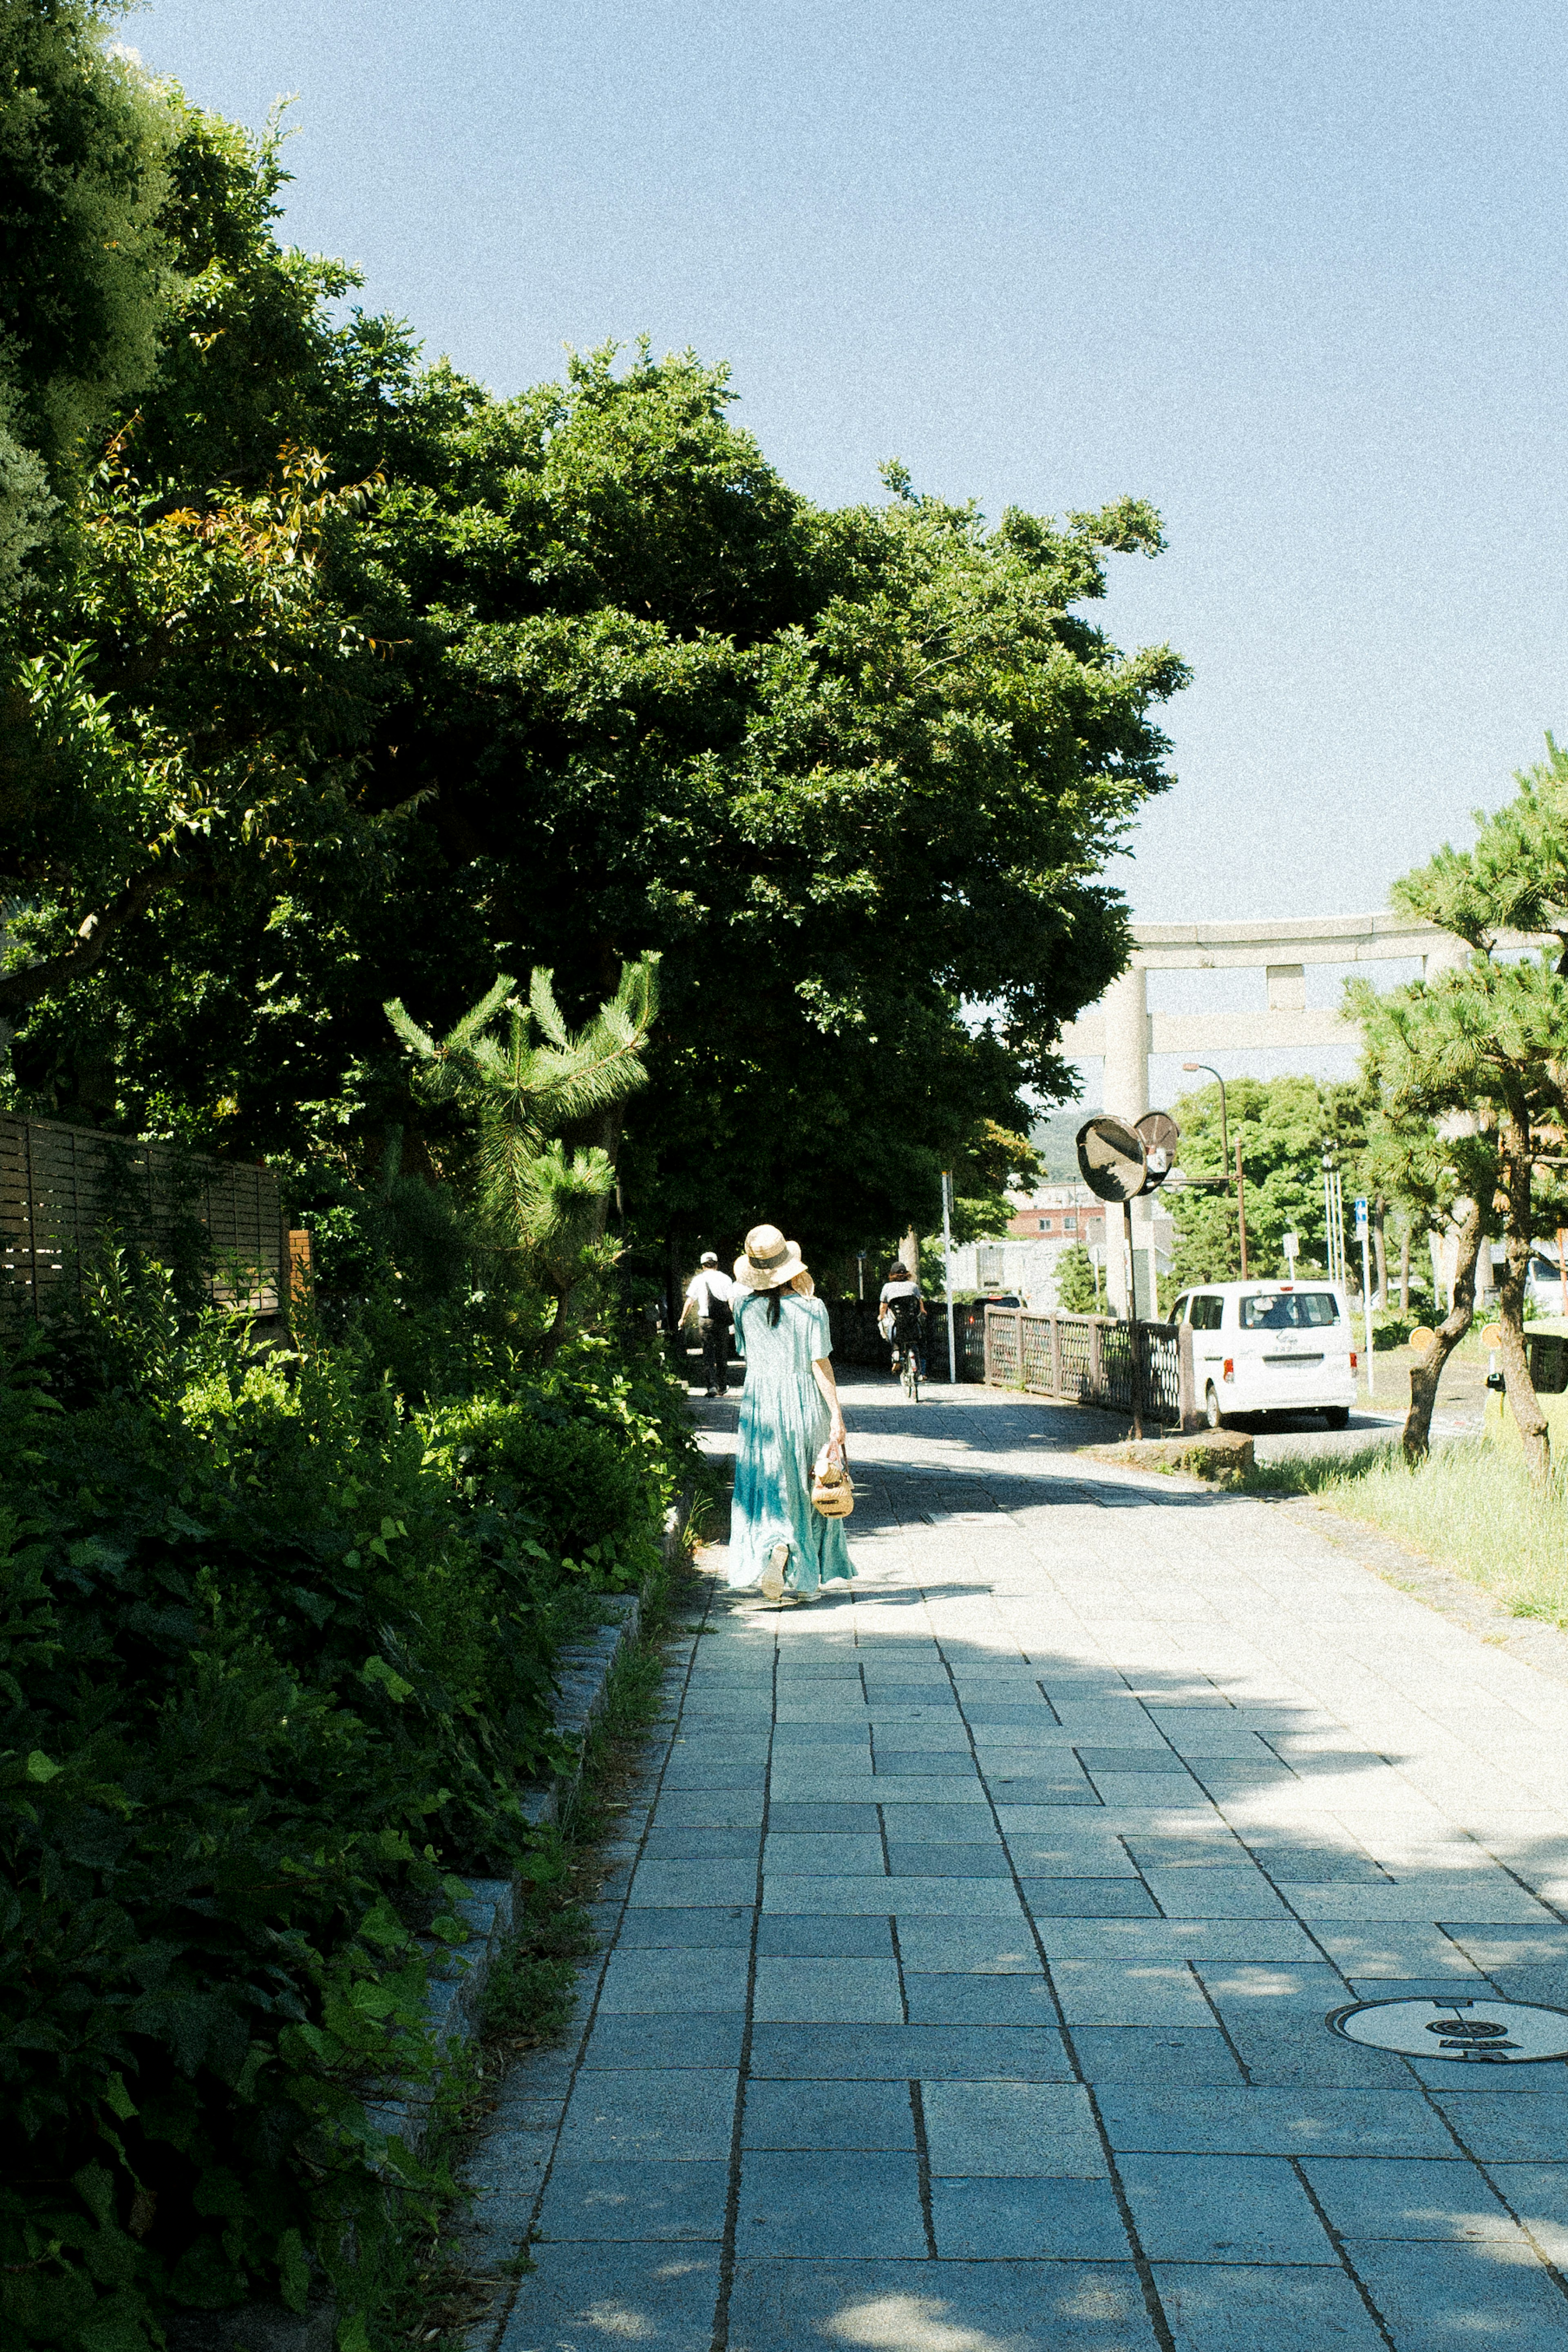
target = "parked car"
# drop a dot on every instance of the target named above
(999, 1299)
(1271, 1347)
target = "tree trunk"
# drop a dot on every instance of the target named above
(1427, 1371)
(95, 935)
(909, 1251)
(1513, 1138)
(1405, 1267)
(550, 1340)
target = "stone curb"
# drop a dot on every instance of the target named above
(455, 1995)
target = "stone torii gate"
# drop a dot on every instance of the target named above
(1123, 1030)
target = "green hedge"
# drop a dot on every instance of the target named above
(274, 1668)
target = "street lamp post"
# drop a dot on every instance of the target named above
(1225, 1152)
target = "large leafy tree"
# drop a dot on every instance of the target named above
(845, 771)
(90, 276)
(615, 689)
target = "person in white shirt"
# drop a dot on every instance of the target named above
(707, 1304)
(901, 1315)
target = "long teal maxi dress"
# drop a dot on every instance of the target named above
(784, 1423)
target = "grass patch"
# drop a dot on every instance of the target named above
(1469, 1507)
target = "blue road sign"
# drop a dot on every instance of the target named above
(1361, 1216)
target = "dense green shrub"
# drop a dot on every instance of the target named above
(274, 1670)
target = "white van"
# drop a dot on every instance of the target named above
(1271, 1347)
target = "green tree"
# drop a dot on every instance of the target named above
(1484, 1045)
(1281, 1125)
(848, 771)
(1078, 1292)
(90, 276)
(192, 708)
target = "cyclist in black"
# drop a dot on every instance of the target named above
(903, 1317)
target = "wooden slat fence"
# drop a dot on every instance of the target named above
(1087, 1359)
(60, 1186)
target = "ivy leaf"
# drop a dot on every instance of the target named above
(39, 1768)
(120, 2099)
(293, 2271)
(376, 1670)
(95, 2187)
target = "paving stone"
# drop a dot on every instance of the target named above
(1088, 1898)
(839, 2114)
(1151, 2054)
(676, 2112)
(636, 2199)
(969, 1946)
(1405, 2198)
(1434, 2296)
(1538, 2194)
(678, 2038)
(1263, 2122)
(942, 2306)
(865, 2204)
(823, 1817)
(656, 1929)
(640, 1982)
(823, 1854)
(997, 2219)
(1493, 2126)
(965, 1861)
(986, 2129)
(912, 1898)
(942, 1824)
(670, 1884)
(907, 2053)
(596, 2295)
(1232, 2307)
(685, 1844)
(800, 1991)
(978, 1999)
(1102, 1992)
(1222, 2208)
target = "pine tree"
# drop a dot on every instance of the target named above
(1482, 1049)
(542, 1193)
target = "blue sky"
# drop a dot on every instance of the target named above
(1292, 272)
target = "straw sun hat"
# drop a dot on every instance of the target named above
(769, 1260)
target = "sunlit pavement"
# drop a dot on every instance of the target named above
(968, 1948)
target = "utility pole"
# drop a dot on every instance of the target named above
(1132, 1324)
(1362, 1230)
(947, 1272)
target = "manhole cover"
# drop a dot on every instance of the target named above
(1484, 2032)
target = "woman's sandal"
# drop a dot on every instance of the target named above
(771, 1583)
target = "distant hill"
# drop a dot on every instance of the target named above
(1053, 1138)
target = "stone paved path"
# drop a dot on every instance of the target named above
(969, 1947)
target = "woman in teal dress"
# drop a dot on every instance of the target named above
(789, 1411)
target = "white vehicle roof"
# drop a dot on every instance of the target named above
(1246, 1289)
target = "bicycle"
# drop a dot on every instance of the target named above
(909, 1375)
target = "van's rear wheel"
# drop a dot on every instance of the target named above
(1336, 1416)
(1211, 1409)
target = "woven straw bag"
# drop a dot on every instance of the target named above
(832, 1487)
